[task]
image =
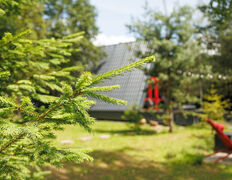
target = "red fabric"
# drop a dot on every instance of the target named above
(150, 97)
(220, 127)
(150, 91)
(219, 130)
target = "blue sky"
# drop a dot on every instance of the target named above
(113, 15)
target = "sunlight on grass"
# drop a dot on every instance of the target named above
(126, 154)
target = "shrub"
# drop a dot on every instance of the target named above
(213, 106)
(134, 116)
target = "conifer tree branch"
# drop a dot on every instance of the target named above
(27, 112)
(15, 139)
(13, 38)
(78, 92)
(17, 107)
(41, 117)
(121, 70)
(4, 101)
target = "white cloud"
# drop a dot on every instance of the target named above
(103, 39)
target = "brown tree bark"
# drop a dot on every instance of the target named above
(170, 113)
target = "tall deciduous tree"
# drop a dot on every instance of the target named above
(218, 33)
(29, 15)
(58, 18)
(70, 16)
(171, 38)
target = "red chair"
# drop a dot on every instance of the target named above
(224, 138)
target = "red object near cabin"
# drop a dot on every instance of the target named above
(153, 98)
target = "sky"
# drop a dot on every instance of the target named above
(113, 15)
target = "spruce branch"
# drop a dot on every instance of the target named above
(84, 81)
(104, 88)
(105, 98)
(19, 108)
(121, 70)
(4, 74)
(40, 118)
(6, 102)
(8, 38)
(9, 143)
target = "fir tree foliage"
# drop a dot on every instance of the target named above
(214, 106)
(27, 145)
(22, 15)
(34, 65)
(55, 19)
(69, 16)
(29, 70)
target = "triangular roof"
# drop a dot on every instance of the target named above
(132, 84)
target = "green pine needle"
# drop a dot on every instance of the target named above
(121, 70)
(105, 98)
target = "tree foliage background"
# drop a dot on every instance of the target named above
(218, 35)
(30, 71)
(173, 40)
(56, 19)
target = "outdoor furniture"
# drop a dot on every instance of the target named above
(224, 138)
(218, 144)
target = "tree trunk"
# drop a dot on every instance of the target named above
(201, 93)
(170, 113)
(171, 121)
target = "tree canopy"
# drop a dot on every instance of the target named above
(172, 38)
(218, 35)
(57, 19)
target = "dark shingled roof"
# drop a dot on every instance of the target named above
(132, 84)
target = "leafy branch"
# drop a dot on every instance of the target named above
(84, 81)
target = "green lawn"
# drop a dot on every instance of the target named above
(128, 155)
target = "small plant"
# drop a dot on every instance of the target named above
(134, 116)
(213, 106)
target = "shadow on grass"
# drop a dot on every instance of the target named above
(117, 165)
(127, 132)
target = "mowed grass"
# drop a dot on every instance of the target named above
(131, 155)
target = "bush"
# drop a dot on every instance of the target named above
(214, 106)
(134, 116)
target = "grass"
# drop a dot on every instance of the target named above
(129, 155)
